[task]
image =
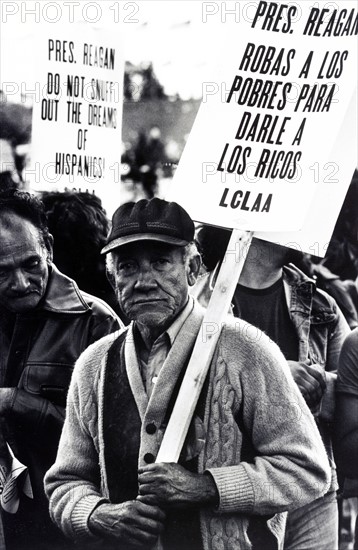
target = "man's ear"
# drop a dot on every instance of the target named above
(49, 247)
(111, 278)
(109, 270)
(194, 265)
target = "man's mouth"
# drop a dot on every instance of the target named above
(26, 295)
(147, 301)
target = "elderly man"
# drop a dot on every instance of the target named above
(242, 463)
(45, 324)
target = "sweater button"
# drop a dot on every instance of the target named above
(151, 428)
(149, 458)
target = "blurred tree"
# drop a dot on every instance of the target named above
(145, 158)
(15, 122)
(127, 91)
(141, 83)
(152, 89)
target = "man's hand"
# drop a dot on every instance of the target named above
(134, 523)
(172, 486)
(310, 380)
(6, 398)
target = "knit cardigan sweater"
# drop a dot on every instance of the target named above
(251, 399)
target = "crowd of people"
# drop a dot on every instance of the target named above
(97, 324)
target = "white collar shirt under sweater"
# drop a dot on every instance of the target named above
(150, 367)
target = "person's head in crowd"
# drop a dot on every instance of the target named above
(213, 241)
(25, 251)
(152, 260)
(342, 253)
(79, 226)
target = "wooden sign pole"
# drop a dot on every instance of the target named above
(204, 347)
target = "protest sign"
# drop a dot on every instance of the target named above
(332, 180)
(277, 100)
(259, 124)
(76, 134)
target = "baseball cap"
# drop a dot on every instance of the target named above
(153, 220)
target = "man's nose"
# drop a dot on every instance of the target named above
(145, 279)
(19, 281)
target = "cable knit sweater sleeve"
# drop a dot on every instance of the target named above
(73, 484)
(252, 384)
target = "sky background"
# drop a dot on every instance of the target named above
(179, 37)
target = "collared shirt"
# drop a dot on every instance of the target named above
(176, 537)
(151, 367)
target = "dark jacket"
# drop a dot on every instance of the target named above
(45, 345)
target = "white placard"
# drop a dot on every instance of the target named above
(76, 131)
(279, 97)
(333, 180)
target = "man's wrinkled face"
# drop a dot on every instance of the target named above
(151, 281)
(24, 264)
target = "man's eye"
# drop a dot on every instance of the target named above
(161, 263)
(126, 266)
(32, 263)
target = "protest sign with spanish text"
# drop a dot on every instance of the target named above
(281, 90)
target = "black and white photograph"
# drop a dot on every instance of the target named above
(178, 275)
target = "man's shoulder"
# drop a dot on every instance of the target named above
(351, 341)
(248, 354)
(321, 300)
(242, 332)
(64, 297)
(92, 357)
(100, 348)
(324, 307)
(98, 306)
(240, 339)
